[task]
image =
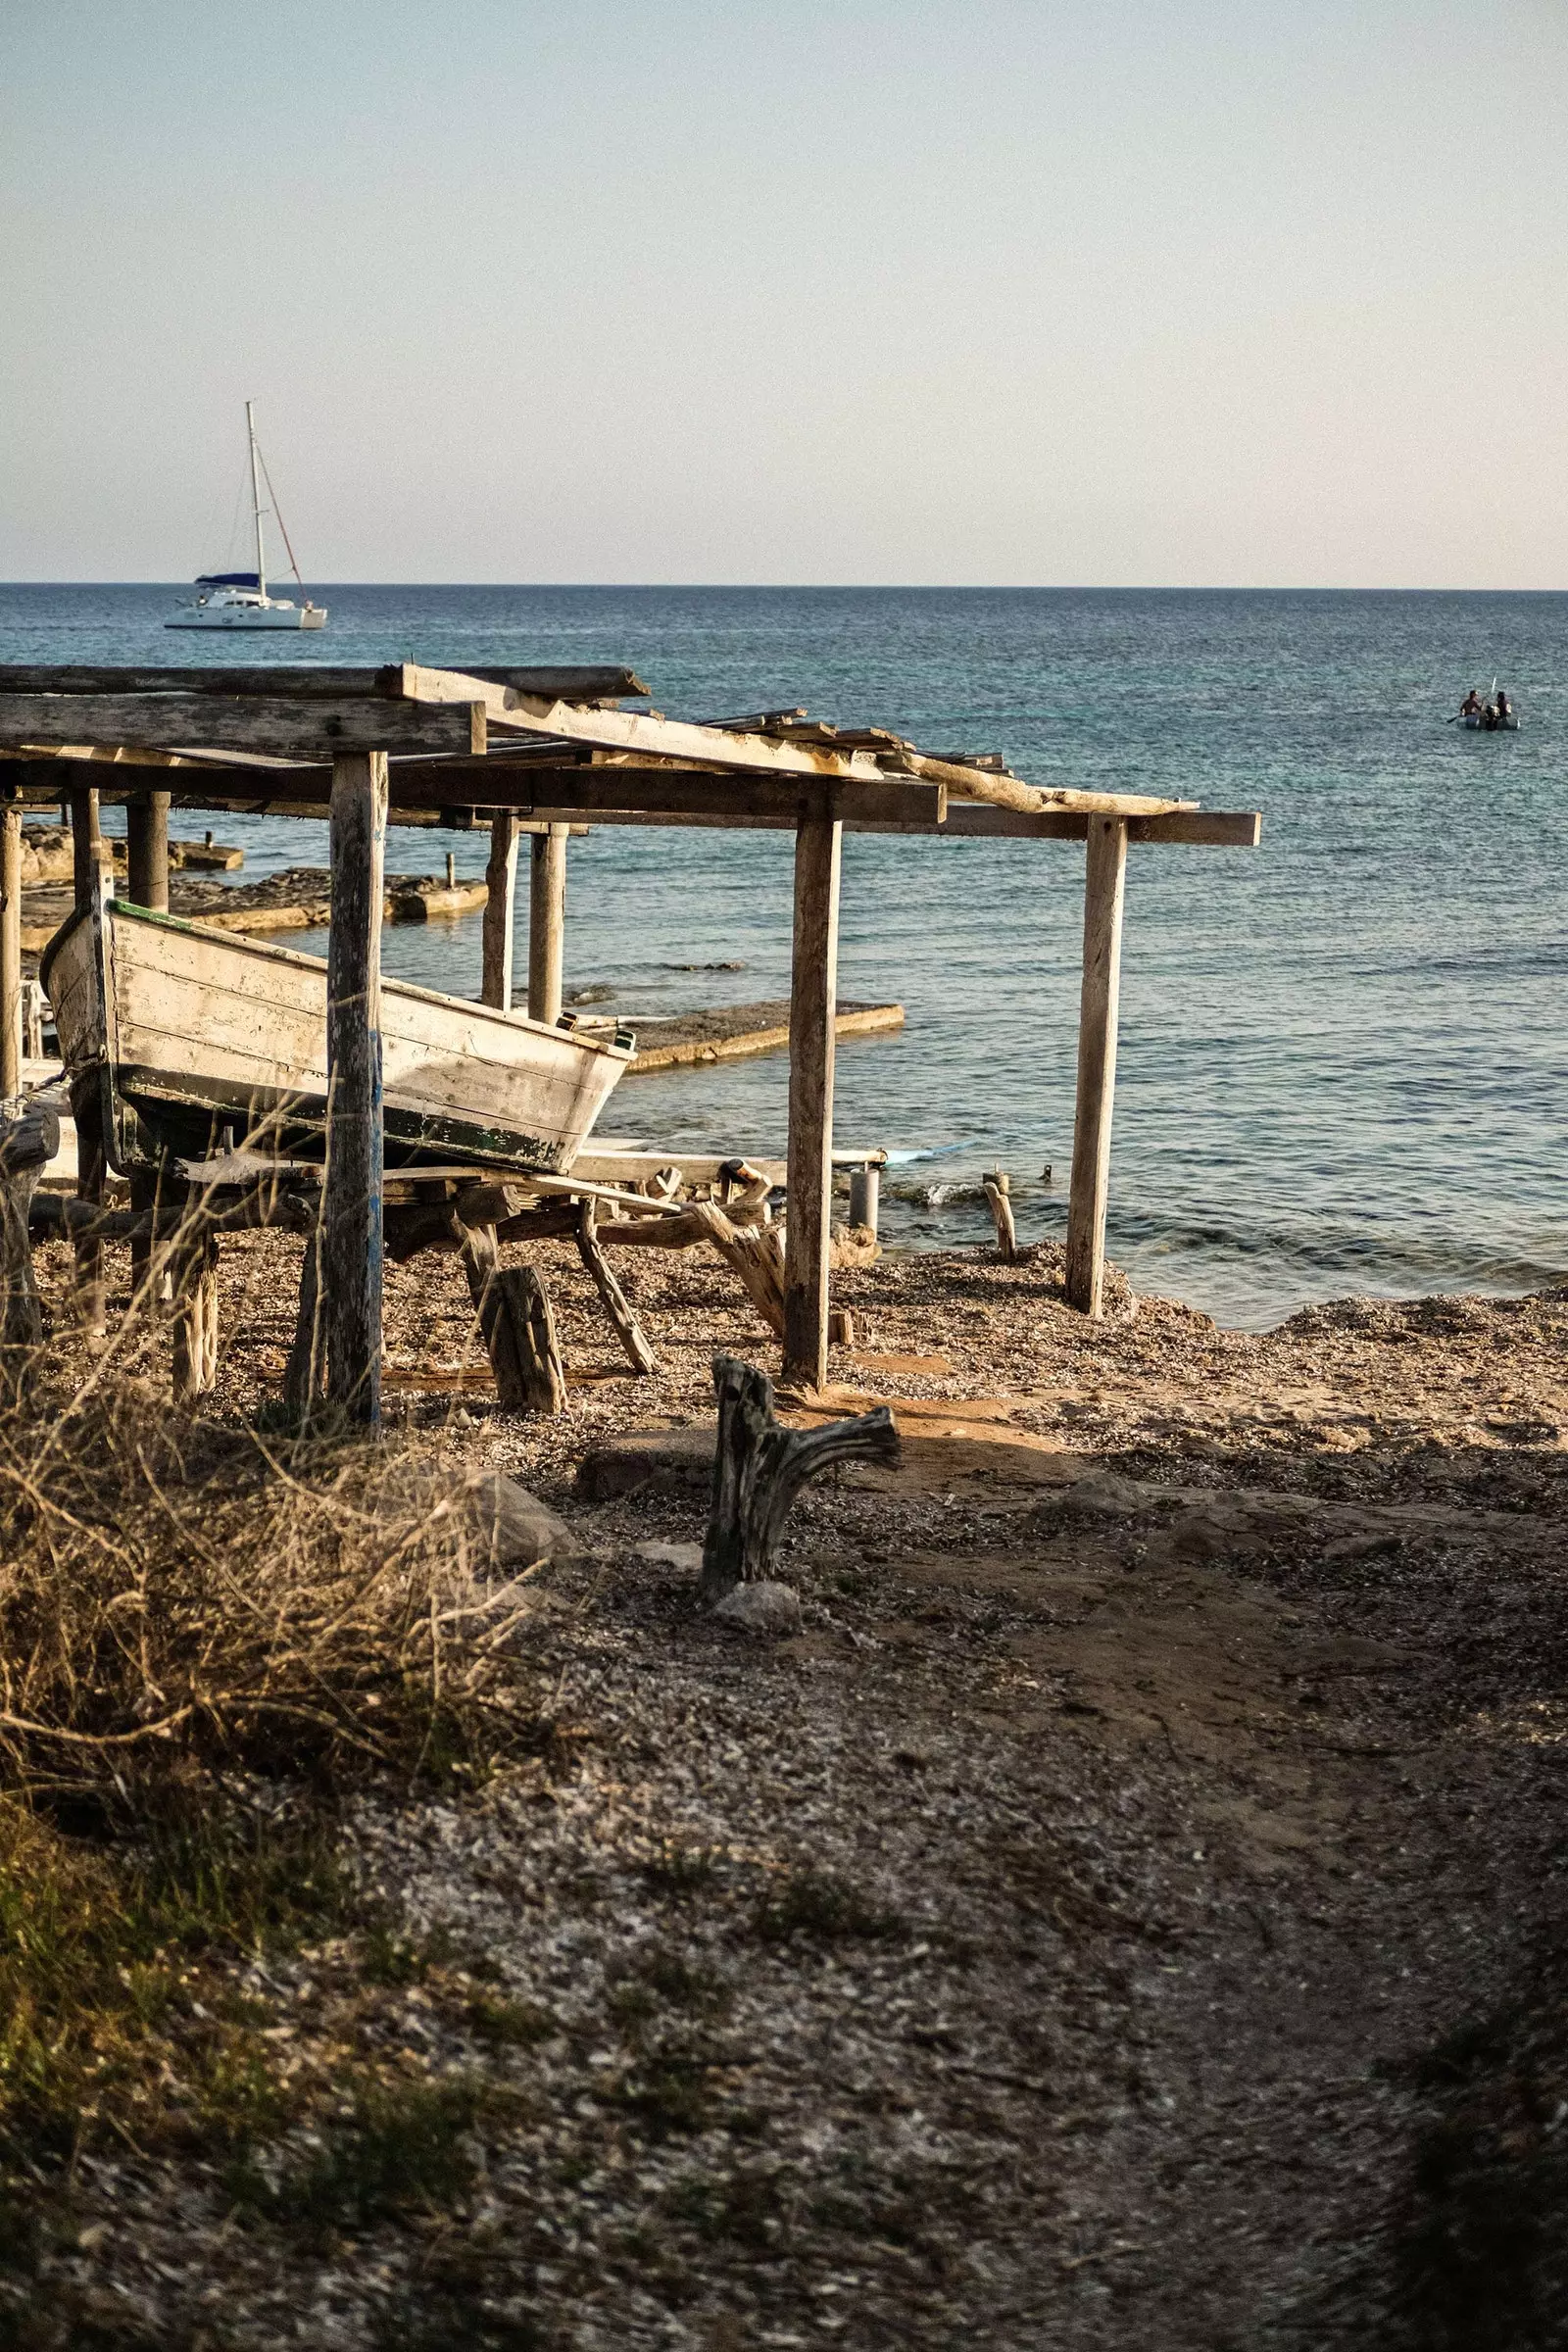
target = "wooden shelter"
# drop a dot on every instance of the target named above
(539, 751)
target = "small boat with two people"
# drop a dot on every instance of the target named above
(238, 600)
(1495, 715)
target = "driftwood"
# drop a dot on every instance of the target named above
(760, 1467)
(997, 1190)
(29, 1138)
(627, 1329)
(519, 1326)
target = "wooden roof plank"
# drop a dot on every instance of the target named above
(632, 730)
(313, 683)
(240, 723)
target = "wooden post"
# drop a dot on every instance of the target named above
(147, 849)
(813, 993)
(1105, 876)
(546, 923)
(500, 911)
(628, 1329)
(10, 944)
(29, 1138)
(998, 1189)
(85, 842)
(352, 1261)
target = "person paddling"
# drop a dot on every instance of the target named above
(1470, 707)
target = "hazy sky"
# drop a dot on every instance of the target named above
(1164, 292)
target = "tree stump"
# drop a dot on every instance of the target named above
(996, 1189)
(616, 1306)
(760, 1467)
(519, 1326)
(29, 1138)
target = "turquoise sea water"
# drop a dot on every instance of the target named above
(1344, 1063)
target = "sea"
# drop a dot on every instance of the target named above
(1343, 1059)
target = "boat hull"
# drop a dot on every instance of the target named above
(1477, 725)
(189, 1031)
(308, 617)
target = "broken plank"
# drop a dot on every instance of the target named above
(629, 731)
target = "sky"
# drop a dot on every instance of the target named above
(1175, 292)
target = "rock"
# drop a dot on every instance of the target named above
(517, 1527)
(762, 1608)
(664, 1461)
(1102, 1494)
(687, 1557)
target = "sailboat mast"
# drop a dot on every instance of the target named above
(256, 499)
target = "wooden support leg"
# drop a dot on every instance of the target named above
(10, 944)
(760, 1467)
(87, 1290)
(998, 1189)
(30, 1137)
(147, 849)
(546, 923)
(813, 992)
(500, 911)
(1105, 878)
(627, 1328)
(352, 1259)
(519, 1326)
(196, 1319)
(305, 1379)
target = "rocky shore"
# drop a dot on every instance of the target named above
(1125, 1914)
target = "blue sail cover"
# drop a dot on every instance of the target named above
(228, 579)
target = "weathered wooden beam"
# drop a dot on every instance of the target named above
(10, 944)
(547, 924)
(565, 683)
(627, 1329)
(1104, 879)
(985, 785)
(813, 993)
(629, 731)
(352, 1239)
(147, 849)
(275, 724)
(1195, 828)
(500, 911)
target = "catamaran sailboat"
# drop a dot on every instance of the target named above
(238, 600)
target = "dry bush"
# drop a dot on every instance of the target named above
(172, 1593)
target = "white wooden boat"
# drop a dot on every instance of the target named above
(1477, 720)
(191, 1032)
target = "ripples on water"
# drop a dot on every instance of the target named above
(1342, 1055)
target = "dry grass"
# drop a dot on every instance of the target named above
(173, 1589)
(206, 1634)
